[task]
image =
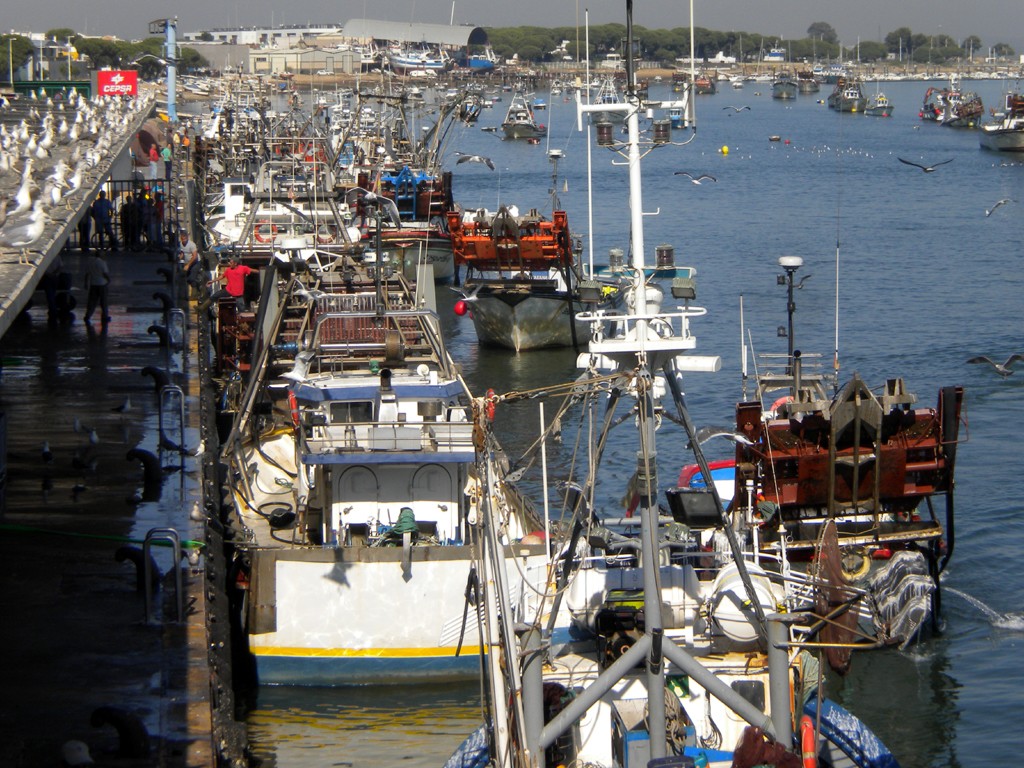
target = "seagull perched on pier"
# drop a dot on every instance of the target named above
(22, 232)
(1003, 369)
(1004, 201)
(695, 179)
(464, 158)
(925, 168)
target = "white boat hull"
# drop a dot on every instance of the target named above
(1001, 139)
(359, 615)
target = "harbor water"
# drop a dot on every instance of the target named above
(923, 279)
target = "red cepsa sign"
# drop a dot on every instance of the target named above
(117, 82)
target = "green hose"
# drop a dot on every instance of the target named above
(186, 544)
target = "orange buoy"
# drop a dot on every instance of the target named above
(490, 404)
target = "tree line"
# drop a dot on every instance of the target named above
(101, 53)
(539, 44)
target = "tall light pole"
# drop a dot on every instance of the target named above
(170, 28)
(790, 264)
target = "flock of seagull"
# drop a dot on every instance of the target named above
(51, 148)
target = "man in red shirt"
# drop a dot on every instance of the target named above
(234, 282)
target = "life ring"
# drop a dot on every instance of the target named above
(780, 402)
(261, 235)
(808, 744)
(860, 570)
(293, 404)
(325, 234)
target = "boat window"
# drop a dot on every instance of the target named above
(352, 413)
(432, 482)
(357, 484)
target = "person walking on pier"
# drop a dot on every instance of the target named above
(97, 281)
(166, 154)
(102, 213)
(154, 159)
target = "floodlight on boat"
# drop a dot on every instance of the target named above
(684, 288)
(589, 291)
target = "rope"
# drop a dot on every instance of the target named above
(406, 522)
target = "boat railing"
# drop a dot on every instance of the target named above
(655, 331)
(358, 441)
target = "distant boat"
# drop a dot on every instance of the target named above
(952, 106)
(1007, 134)
(607, 93)
(879, 106)
(806, 82)
(847, 96)
(519, 122)
(704, 84)
(784, 87)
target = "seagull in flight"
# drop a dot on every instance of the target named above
(1003, 369)
(365, 196)
(464, 158)
(706, 433)
(736, 109)
(695, 179)
(925, 168)
(1004, 201)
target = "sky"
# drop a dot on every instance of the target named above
(994, 21)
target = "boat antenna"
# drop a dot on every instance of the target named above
(835, 358)
(590, 146)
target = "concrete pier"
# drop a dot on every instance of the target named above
(93, 491)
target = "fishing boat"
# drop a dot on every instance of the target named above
(704, 85)
(405, 61)
(1007, 133)
(872, 463)
(524, 285)
(807, 82)
(879, 106)
(656, 643)
(953, 107)
(291, 196)
(350, 448)
(608, 94)
(422, 200)
(847, 96)
(784, 87)
(519, 122)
